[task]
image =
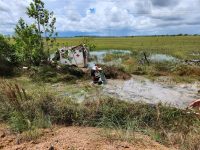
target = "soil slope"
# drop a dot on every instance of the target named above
(75, 138)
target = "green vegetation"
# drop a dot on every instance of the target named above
(27, 48)
(26, 41)
(8, 58)
(27, 110)
(113, 72)
(37, 106)
(178, 46)
(31, 48)
(181, 47)
(136, 64)
(53, 75)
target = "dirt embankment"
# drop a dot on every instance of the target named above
(75, 138)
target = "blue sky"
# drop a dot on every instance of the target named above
(111, 17)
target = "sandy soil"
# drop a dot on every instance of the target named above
(75, 138)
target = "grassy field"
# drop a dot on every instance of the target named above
(179, 46)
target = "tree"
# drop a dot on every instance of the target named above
(27, 39)
(46, 19)
(7, 51)
(8, 57)
(32, 49)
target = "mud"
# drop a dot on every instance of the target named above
(142, 89)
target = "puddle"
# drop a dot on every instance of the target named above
(162, 58)
(97, 57)
(142, 89)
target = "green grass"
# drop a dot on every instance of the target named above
(179, 46)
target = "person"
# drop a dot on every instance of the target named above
(95, 73)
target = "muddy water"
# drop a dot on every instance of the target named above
(162, 58)
(142, 89)
(98, 57)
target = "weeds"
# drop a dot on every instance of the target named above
(30, 135)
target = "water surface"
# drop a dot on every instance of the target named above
(162, 58)
(97, 57)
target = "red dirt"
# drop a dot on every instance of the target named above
(74, 138)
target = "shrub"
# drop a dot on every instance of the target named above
(113, 72)
(163, 66)
(72, 70)
(8, 57)
(6, 68)
(18, 122)
(186, 70)
(50, 74)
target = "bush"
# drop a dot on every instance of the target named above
(50, 74)
(18, 122)
(72, 70)
(113, 72)
(164, 66)
(8, 57)
(186, 70)
(6, 68)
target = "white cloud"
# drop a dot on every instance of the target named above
(132, 17)
(10, 12)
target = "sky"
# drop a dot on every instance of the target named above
(110, 17)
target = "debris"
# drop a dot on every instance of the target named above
(25, 68)
(73, 55)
